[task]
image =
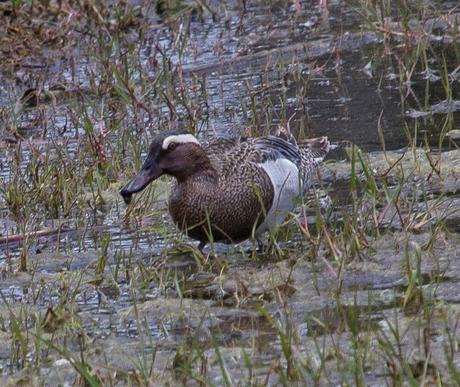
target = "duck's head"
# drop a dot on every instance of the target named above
(173, 153)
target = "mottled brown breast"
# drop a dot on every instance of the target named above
(228, 210)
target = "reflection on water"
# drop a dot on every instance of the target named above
(267, 66)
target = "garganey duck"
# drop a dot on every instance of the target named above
(231, 189)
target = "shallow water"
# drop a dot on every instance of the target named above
(261, 68)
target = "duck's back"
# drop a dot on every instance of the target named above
(239, 156)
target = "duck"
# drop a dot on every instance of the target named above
(230, 189)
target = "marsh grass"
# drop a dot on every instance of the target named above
(65, 174)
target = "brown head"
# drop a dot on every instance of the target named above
(174, 153)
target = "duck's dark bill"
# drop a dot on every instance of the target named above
(140, 181)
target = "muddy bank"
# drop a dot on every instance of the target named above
(361, 286)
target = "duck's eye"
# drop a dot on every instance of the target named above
(172, 146)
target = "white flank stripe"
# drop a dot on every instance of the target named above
(179, 139)
(284, 176)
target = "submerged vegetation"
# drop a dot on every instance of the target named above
(360, 285)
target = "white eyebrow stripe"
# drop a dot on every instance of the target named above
(179, 139)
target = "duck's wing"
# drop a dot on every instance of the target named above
(273, 148)
(229, 156)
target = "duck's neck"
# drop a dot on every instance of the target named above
(199, 170)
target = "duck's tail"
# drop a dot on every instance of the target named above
(312, 152)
